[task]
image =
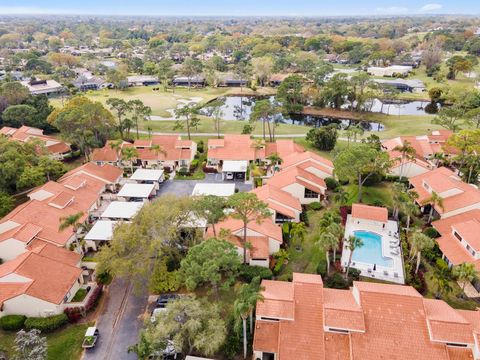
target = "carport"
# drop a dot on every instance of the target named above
(234, 170)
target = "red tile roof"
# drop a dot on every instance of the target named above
(298, 158)
(367, 212)
(397, 323)
(297, 175)
(107, 173)
(233, 147)
(172, 148)
(278, 200)
(25, 133)
(267, 228)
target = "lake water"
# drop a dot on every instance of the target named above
(240, 108)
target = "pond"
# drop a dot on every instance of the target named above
(240, 108)
(418, 108)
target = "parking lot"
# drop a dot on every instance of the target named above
(185, 187)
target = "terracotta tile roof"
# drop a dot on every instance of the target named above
(107, 173)
(367, 212)
(337, 346)
(55, 253)
(470, 231)
(441, 180)
(172, 148)
(397, 321)
(444, 226)
(294, 175)
(267, 228)
(278, 199)
(278, 300)
(62, 199)
(107, 153)
(306, 165)
(342, 311)
(234, 147)
(267, 340)
(298, 158)
(10, 290)
(49, 280)
(25, 133)
(446, 324)
(455, 251)
(258, 249)
(24, 233)
(283, 148)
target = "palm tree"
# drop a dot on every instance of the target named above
(341, 197)
(398, 198)
(117, 146)
(419, 242)
(409, 208)
(157, 149)
(336, 230)
(257, 144)
(73, 221)
(407, 153)
(433, 200)
(441, 276)
(243, 306)
(325, 242)
(297, 234)
(465, 272)
(128, 154)
(352, 243)
(275, 159)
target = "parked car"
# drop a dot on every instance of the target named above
(91, 337)
(164, 299)
(228, 176)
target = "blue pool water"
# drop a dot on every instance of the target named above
(371, 251)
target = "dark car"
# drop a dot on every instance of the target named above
(164, 299)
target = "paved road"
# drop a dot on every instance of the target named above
(119, 323)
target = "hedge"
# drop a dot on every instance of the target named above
(248, 272)
(12, 322)
(46, 324)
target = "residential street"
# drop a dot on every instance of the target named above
(119, 323)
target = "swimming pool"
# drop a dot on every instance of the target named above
(371, 251)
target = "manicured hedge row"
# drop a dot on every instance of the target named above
(248, 272)
(12, 322)
(46, 324)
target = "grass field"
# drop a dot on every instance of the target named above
(371, 195)
(65, 343)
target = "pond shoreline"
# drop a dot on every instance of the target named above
(335, 113)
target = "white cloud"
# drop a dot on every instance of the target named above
(392, 10)
(431, 7)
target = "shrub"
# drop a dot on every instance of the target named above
(336, 281)
(332, 184)
(183, 171)
(248, 272)
(46, 324)
(163, 280)
(353, 275)
(281, 258)
(314, 206)
(75, 313)
(233, 342)
(431, 232)
(94, 297)
(12, 322)
(200, 146)
(194, 164)
(322, 269)
(288, 276)
(104, 278)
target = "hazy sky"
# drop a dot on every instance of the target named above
(241, 7)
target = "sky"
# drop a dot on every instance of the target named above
(241, 7)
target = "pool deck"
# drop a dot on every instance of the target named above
(388, 233)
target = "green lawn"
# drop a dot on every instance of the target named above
(381, 192)
(65, 343)
(80, 295)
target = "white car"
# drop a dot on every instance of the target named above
(229, 176)
(155, 312)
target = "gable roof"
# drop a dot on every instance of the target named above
(172, 148)
(294, 175)
(26, 133)
(267, 227)
(233, 147)
(107, 173)
(278, 200)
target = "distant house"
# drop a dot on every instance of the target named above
(85, 83)
(142, 80)
(458, 196)
(265, 238)
(230, 81)
(390, 71)
(277, 79)
(47, 87)
(108, 154)
(195, 81)
(57, 149)
(413, 86)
